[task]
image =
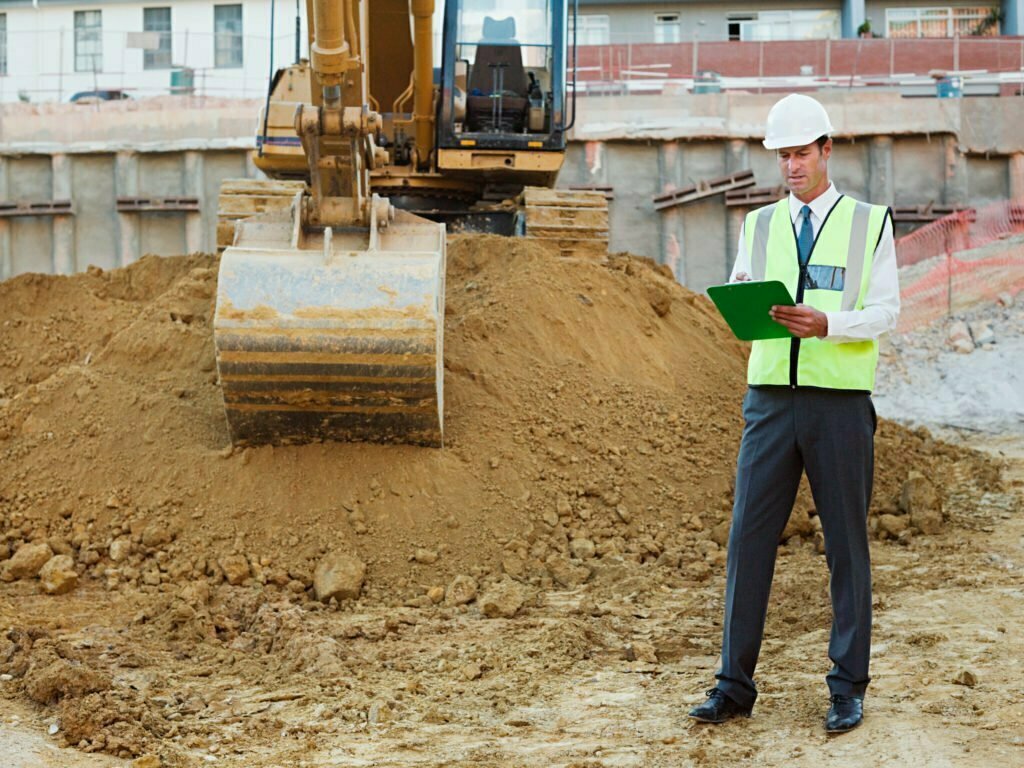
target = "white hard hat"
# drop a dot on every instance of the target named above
(796, 121)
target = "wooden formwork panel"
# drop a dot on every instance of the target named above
(261, 187)
(561, 215)
(539, 196)
(242, 198)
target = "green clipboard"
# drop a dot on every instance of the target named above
(745, 307)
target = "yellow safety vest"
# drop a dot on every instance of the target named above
(835, 279)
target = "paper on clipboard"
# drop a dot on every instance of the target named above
(745, 307)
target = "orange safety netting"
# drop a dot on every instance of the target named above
(959, 259)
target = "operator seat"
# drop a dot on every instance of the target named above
(497, 98)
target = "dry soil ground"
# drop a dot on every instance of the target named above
(593, 425)
(554, 687)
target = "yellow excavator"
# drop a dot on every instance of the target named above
(330, 304)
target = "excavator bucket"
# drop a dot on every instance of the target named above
(334, 335)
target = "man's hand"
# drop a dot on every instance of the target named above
(742, 277)
(802, 321)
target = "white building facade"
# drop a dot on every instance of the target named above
(604, 22)
(53, 49)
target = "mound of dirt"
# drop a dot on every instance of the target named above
(592, 423)
(593, 412)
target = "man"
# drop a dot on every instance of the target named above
(808, 407)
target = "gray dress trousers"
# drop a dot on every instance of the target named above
(830, 435)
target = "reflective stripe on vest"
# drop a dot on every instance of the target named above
(836, 279)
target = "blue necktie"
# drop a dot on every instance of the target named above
(806, 239)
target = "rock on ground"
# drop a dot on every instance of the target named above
(582, 549)
(339, 575)
(120, 548)
(462, 590)
(27, 561)
(893, 525)
(567, 573)
(503, 600)
(236, 569)
(58, 576)
(156, 535)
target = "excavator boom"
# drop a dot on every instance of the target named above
(330, 311)
(331, 304)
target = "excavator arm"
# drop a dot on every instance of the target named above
(329, 318)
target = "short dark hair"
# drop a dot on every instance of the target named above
(820, 141)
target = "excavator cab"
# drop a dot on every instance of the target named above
(503, 88)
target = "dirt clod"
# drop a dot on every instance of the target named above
(921, 501)
(966, 678)
(51, 678)
(461, 590)
(235, 568)
(58, 576)
(502, 600)
(27, 561)
(339, 575)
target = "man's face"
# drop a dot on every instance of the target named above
(804, 168)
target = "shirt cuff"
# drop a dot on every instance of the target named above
(835, 328)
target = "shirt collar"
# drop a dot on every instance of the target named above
(820, 206)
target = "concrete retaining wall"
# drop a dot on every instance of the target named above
(889, 150)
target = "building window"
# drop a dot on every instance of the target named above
(157, 20)
(3, 43)
(941, 22)
(784, 25)
(88, 41)
(667, 28)
(734, 24)
(591, 29)
(227, 36)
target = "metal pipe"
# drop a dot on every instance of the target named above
(575, 26)
(351, 30)
(399, 104)
(332, 96)
(330, 21)
(330, 53)
(423, 80)
(310, 25)
(314, 91)
(270, 81)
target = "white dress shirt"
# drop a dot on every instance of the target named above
(882, 299)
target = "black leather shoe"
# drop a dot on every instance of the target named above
(718, 708)
(845, 714)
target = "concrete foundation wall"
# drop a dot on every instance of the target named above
(96, 233)
(891, 151)
(698, 240)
